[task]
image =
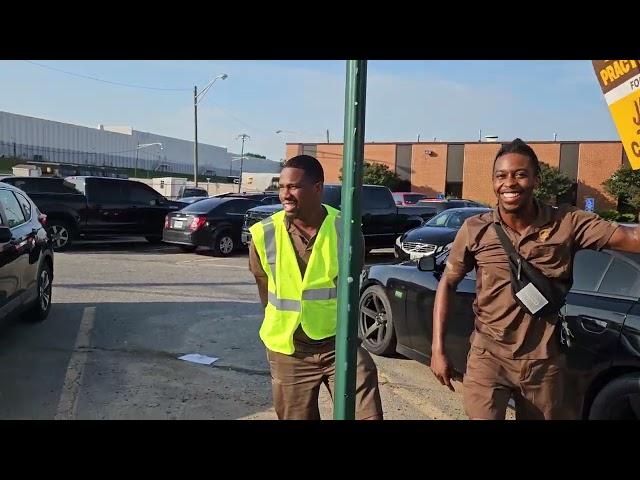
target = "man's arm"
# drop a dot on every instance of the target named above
(258, 272)
(626, 239)
(459, 263)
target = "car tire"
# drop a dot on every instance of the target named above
(42, 306)
(618, 400)
(375, 322)
(153, 239)
(223, 244)
(188, 248)
(61, 234)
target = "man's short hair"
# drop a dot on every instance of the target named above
(313, 170)
(518, 146)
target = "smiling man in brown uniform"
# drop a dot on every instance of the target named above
(513, 353)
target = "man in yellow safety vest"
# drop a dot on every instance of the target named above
(294, 258)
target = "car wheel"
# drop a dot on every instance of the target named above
(223, 244)
(375, 322)
(61, 234)
(618, 400)
(41, 307)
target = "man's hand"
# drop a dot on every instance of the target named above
(441, 368)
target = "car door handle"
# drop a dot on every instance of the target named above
(593, 325)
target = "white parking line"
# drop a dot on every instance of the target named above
(212, 263)
(68, 404)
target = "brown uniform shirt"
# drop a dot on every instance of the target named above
(302, 248)
(550, 245)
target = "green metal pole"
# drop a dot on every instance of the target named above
(352, 247)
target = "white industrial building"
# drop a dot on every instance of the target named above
(114, 146)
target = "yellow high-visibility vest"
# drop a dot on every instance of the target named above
(292, 299)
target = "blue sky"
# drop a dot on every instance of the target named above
(448, 100)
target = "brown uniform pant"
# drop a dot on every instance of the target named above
(296, 381)
(537, 386)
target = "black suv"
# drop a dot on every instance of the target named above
(26, 257)
(96, 207)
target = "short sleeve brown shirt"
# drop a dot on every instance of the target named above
(549, 244)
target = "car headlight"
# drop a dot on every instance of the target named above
(398, 242)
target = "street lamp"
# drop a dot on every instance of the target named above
(244, 137)
(305, 133)
(196, 99)
(143, 145)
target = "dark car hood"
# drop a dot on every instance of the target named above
(432, 235)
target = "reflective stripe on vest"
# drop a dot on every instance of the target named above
(270, 244)
(283, 303)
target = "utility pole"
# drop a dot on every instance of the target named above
(244, 137)
(328, 135)
(195, 140)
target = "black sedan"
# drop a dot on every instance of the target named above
(26, 257)
(215, 223)
(435, 235)
(600, 321)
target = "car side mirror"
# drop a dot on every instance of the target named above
(427, 264)
(5, 234)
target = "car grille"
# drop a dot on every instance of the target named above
(415, 247)
(254, 217)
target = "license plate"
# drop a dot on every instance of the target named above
(178, 224)
(415, 256)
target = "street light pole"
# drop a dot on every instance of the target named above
(195, 139)
(140, 146)
(196, 98)
(244, 137)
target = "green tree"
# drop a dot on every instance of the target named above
(254, 155)
(379, 174)
(553, 183)
(624, 184)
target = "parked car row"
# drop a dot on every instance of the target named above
(84, 207)
(382, 220)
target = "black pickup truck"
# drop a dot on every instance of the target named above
(382, 220)
(94, 207)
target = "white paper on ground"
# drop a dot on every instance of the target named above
(197, 358)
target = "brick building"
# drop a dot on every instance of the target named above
(464, 169)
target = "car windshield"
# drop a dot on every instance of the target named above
(203, 205)
(194, 192)
(450, 218)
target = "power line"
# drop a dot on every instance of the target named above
(104, 81)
